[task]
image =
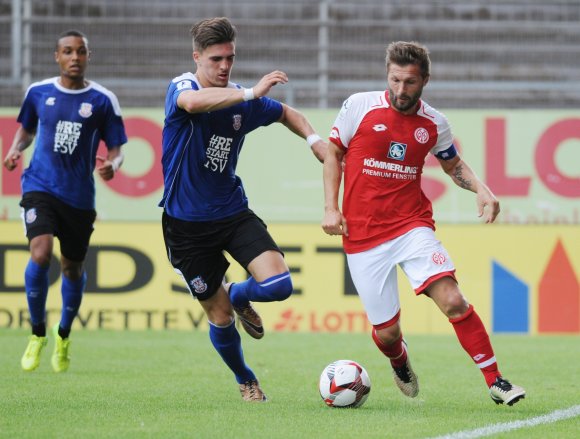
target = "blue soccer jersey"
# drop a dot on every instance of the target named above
(69, 124)
(200, 154)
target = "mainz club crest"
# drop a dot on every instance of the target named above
(421, 135)
(438, 258)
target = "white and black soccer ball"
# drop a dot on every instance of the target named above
(344, 383)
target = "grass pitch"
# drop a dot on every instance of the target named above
(173, 385)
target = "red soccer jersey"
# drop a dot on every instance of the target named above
(385, 151)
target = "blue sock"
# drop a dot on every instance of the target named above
(226, 340)
(36, 285)
(275, 288)
(72, 295)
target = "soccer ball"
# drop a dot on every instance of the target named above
(344, 383)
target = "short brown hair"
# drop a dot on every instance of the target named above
(403, 53)
(212, 31)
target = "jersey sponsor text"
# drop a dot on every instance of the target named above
(218, 153)
(66, 136)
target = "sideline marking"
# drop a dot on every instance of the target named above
(555, 416)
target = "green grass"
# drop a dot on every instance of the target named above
(173, 385)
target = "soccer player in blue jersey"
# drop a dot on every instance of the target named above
(205, 207)
(68, 115)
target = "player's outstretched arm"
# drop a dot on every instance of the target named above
(333, 223)
(296, 122)
(107, 167)
(215, 98)
(22, 140)
(464, 177)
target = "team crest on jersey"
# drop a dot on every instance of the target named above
(86, 110)
(237, 118)
(198, 285)
(397, 151)
(421, 135)
(30, 216)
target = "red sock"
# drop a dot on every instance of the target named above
(396, 352)
(475, 340)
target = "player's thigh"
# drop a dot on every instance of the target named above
(267, 264)
(41, 249)
(374, 275)
(425, 259)
(197, 259)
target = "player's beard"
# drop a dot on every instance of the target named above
(409, 104)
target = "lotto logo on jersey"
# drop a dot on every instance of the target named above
(397, 151)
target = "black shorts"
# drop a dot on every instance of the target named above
(46, 215)
(196, 249)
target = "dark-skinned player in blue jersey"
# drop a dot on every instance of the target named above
(67, 116)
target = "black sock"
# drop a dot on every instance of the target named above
(39, 330)
(63, 333)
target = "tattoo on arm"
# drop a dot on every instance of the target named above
(458, 175)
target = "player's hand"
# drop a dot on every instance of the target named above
(334, 223)
(105, 168)
(487, 205)
(11, 160)
(263, 87)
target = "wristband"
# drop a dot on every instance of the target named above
(248, 94)
(116, 162)
(313, 138)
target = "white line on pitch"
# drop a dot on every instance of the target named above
(555, 416)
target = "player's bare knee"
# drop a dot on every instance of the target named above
(389, 335)
(41, 260)
(455, 305)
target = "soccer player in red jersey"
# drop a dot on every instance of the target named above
(380, 140)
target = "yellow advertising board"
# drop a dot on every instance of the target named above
(131, 285)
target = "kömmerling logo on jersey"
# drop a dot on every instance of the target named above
(397, 151)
